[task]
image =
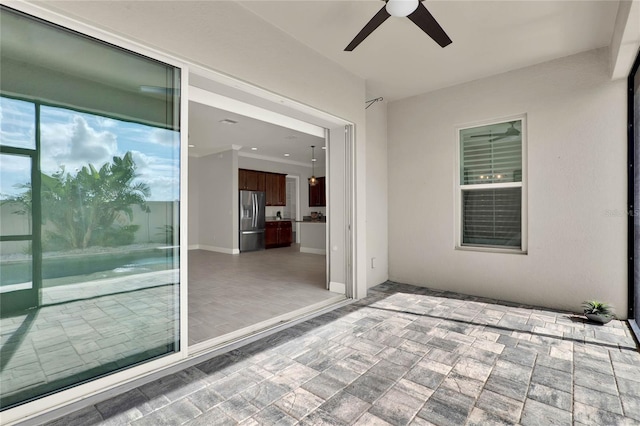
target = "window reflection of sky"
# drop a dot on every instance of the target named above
(73, 139)
(17, 124)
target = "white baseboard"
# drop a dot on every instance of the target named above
(194, 247)
(339, 288)
(219, 249)
(313, 250)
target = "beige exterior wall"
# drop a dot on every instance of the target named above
(576, 131)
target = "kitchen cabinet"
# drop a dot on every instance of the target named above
(251, 180)
(278, 234)
(317, 193)
(273, 184)
(276, 189)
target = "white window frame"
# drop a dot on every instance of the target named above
(459, 187)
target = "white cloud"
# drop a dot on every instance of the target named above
(105, 122)
(164, 137)
(72, 141)
(162, 175)
(74, 145)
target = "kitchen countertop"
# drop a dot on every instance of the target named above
(306, 219)
(274, 219)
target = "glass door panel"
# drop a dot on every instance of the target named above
(102, 127)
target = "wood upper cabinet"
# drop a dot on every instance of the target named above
(261, 179)
(317, 193)
(247, 180)
(251, 180)
(273, 184)
(276, 189)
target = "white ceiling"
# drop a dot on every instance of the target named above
(398, 60)
(209, 136)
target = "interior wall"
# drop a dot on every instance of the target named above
(377, 193)
(217, 199)
(576, 178)
(225, 37)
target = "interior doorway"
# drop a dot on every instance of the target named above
(233, 294)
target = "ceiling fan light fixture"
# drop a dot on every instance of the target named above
(401, 8)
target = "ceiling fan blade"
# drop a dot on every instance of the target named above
(374, 23)
(423, 18)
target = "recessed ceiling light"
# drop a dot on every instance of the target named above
(254, 149)
(291, 137)
(287, 155)
(191, 146)
(324, 147)
(228, 121)
(313, 159)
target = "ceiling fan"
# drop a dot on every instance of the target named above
(412, 9)
(511, 131)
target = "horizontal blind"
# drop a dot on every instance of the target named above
(492, 217)
(490, 155)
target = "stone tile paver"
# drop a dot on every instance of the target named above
(402, 356)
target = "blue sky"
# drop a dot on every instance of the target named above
(73, 140)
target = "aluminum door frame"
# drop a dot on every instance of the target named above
(633, 246)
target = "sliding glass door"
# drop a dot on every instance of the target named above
(634, 197)
(89, 195)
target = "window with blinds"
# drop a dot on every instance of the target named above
(490, 185)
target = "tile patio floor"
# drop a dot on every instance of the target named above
(403, 355)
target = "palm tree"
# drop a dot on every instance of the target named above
(84, 207)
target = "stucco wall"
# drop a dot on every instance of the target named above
(377, 193)
(576, 178)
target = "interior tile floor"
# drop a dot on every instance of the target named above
(231, 292)
(403, 355)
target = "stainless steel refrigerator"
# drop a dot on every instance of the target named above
(252, 219)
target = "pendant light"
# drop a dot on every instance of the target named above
(312, 180)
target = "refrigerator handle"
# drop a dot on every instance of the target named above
(255, 210)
